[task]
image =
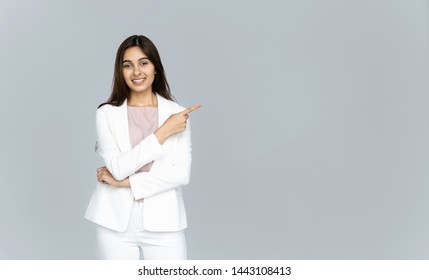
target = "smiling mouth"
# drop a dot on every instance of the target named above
(138, 81)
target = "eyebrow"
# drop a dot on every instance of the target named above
(138, 60)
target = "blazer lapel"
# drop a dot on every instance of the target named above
(121, 127)
(164, 110)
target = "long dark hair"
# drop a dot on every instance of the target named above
(120, 90)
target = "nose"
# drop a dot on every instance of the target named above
(136, 71)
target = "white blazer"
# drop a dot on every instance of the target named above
(160, 187)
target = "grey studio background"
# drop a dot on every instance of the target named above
(312, 142)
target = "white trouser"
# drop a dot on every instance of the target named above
(137, 243)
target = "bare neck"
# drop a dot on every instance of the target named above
(147, 99)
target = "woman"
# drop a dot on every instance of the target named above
(144, 139)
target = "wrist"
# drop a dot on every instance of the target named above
(124, 183)
(161, 134)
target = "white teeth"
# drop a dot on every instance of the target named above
(138, 81)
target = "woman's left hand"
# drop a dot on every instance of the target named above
(105, 177)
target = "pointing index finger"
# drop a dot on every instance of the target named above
(192, 108)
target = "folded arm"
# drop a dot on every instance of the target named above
(145, 184)
(121, 165)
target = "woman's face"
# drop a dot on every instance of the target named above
(138, 71)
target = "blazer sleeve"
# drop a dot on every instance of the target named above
(123, 164)
(178, 173)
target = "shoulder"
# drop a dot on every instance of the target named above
(107, 109)
(108, 113)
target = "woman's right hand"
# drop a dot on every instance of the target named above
(174, 124)
(105, 177)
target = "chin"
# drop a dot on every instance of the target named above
(140, 90)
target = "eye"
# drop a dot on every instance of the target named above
(143, 63)
(126, 65)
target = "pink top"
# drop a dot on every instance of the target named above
(142, 121)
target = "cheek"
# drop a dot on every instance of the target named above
(127, 79)
(126, 76)
(152, 71)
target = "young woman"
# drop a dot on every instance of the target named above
(144, 139)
